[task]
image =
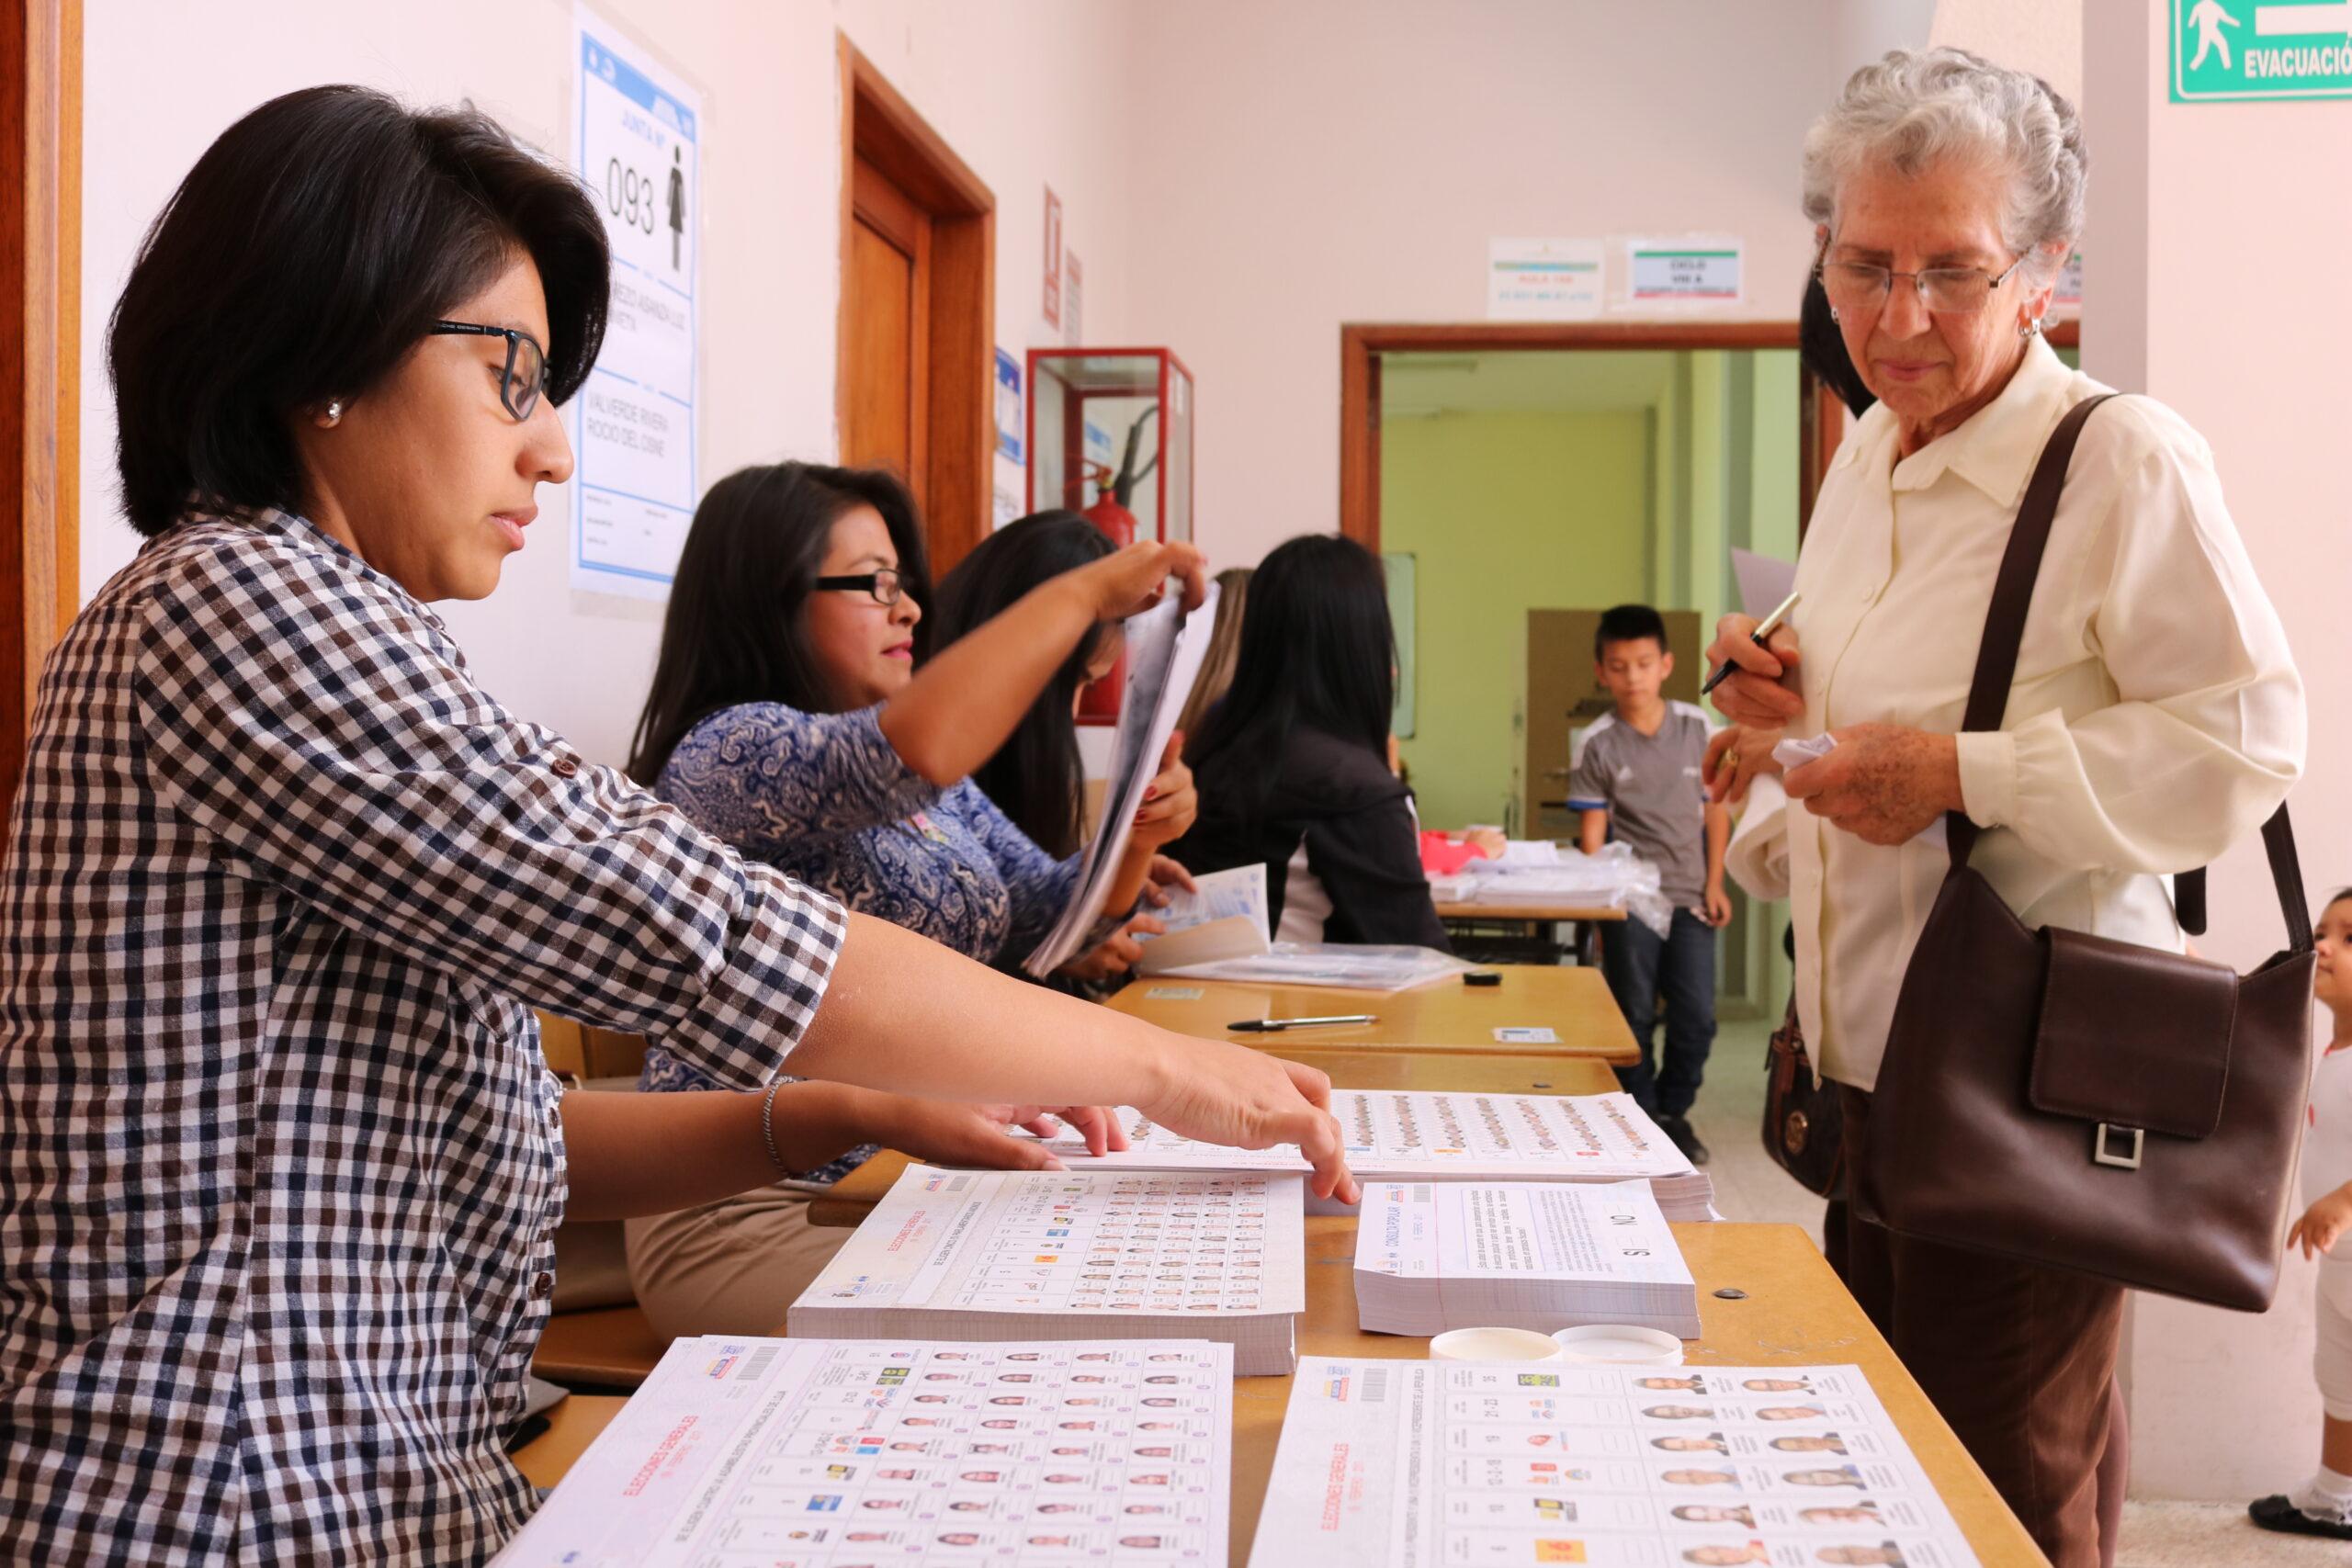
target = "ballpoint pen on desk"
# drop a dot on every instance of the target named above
(1276, 1025)
(1760, 636)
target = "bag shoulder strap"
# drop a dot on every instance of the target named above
(1996, 667)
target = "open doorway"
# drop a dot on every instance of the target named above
(1520, 479)
(915, 388)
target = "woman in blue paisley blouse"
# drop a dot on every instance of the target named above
(788, 717)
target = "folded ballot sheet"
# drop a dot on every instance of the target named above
(1080, 1254)
(1433, 1255)
(1404, 1135)
(1224, 918)
(739, 1451)
(1454, 1464)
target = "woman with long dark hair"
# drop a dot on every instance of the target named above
(1293, 765)
(791, 716)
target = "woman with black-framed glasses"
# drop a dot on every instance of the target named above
(281, 1164)
(790, 716)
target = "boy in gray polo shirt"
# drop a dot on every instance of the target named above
(1640, 773)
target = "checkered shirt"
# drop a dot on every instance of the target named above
(279, 1162)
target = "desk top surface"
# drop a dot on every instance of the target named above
(1445, 1015)
(1794, 1314)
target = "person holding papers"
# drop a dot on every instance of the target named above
(280, 1163)
(1293, 765)
(789, 718)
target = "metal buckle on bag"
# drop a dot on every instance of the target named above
(2102, 1153)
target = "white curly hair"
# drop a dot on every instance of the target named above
(1919, 108)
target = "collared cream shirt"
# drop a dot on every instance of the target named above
(2156, 716)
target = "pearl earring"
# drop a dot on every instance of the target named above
(2032, 328)
(1834, 315)
(334, 413)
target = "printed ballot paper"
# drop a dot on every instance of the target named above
(1100, 1253)
(1432, 1255)
(1416, 1134)
(743, 1451)
(1165, 647)
(1451, 1464)
(1225, 918)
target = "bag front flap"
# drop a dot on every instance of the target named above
(2132, 1036)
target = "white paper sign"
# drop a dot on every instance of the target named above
(1543, 280)
(1531, 1034)
(1699, 270)
(640, 157)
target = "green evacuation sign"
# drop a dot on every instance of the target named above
(2261, 49)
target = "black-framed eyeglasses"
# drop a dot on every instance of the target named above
(526, 376)
(1946, 290)
(885, 585)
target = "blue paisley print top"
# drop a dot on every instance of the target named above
(826, 799)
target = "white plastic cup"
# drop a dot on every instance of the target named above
(1619, 1345)
(1493, 1345)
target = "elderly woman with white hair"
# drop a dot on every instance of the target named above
(2155, 717)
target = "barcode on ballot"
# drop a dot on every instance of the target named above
(756, 1365)
(1376, 1384)
(1423, 1192)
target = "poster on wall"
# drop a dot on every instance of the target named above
(1543, 280)
(1005, 500)
(1053, 303)
(1073, 302)
(639, 154)
(1697, 270)
(2067, 293)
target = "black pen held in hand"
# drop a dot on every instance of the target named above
(1760, 636)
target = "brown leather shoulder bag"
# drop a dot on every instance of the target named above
(2079, 1102)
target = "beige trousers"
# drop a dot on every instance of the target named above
(732, 1267)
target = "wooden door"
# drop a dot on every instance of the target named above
(40, 342)
(887, 295)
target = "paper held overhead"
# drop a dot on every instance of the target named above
(1165, 647)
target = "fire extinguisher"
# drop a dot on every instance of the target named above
(1110, 514)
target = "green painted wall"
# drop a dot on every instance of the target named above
(1503, 512)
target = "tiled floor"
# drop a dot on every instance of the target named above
(1749, 1186)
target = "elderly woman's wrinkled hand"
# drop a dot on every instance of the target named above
(1736, 757)
(1760, 692)
(1885, 784)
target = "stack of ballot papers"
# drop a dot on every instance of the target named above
(1433, 1255)
(1453, 1464)
(1345, 965)
(1408, 1135)
(1083, 1254)
(1224, 918)
(744, 1451)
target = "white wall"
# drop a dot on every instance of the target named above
(1029, 92)
(1315, 161)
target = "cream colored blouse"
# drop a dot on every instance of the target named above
(2156, 716)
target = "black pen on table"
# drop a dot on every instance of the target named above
(1276, 1025)
(1759, 637)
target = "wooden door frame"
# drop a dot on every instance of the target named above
(41, 336)
(1821, 417)
(959, 351)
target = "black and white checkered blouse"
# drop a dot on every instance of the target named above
(279, 1163)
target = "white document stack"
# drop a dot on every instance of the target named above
(1346, 966)
(1225, 919)
(1435, 1256)
(1093, 1255)
(1453, 1464)
(1399, 1135)
(746, 1451)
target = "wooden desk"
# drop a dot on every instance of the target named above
(850, 1200)
(1444, 1016)
(1795, 1313)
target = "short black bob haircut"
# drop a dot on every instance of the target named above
(1629, 623)
(307, 252)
